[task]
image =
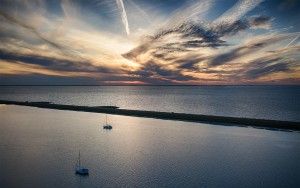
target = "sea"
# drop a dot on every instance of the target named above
(263, 102)
(40, 147)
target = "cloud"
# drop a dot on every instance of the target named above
(263, 22)
(42, 79)
(31, 29)
(266, 67)
(52, 63)
(170, 45)
(292, 41)
(121, 6)
(231, 28)
(179, 45)
(193, 10)
(155, 71)
(237, 11)
(249, 48)
(196, 35)
(189, 62)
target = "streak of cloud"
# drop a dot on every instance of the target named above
(121, 7)
(192, 11)
(292, 41)
(265, 68)
(55, 64)
(237, 11)
(31, 29)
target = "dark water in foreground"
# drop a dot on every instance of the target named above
(39, 147)
(267, 102)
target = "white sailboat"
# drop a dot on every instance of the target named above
(80, 170)
(107, 126)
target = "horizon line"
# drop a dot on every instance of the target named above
(149, 85)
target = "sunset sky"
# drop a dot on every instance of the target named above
(115, 42)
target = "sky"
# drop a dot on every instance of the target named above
(149, 42)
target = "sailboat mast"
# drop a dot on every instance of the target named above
(79, 159)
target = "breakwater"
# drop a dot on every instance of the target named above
(259, 123)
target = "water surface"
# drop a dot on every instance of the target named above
(39, 147)
(267, 102)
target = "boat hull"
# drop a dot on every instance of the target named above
(108, 127)
(82, 171)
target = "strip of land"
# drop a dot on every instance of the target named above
(259, 123)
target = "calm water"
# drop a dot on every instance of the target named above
(268, 102)
(39, 147)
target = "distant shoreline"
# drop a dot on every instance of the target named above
(178, 85)
(223, 120)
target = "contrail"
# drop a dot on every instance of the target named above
(192, 10)
(238, 10)
(123, 15)
(292, 41)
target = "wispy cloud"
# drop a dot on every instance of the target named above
(292, 41)
(241, 8)
(121, 6)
